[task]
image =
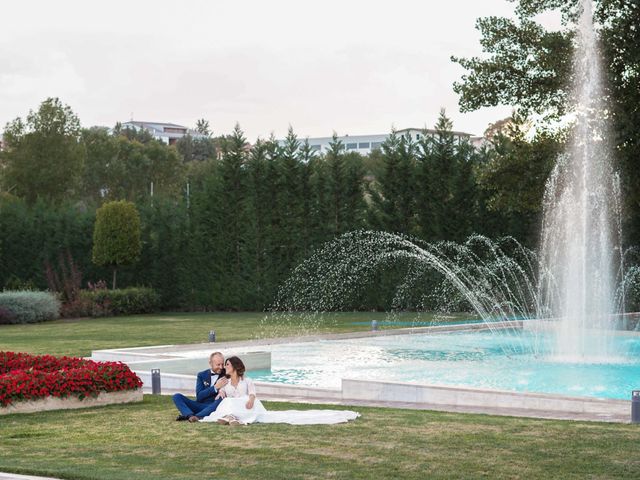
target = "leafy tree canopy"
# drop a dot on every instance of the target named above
(44, 156)
(116, 235)
(529, 68)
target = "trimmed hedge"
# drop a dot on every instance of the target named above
(123, 301)
(28, 307)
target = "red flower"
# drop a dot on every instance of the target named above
(24, 376)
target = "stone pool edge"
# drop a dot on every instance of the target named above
(391, 394)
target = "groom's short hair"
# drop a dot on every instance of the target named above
(214, 354)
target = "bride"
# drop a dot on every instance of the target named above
(240, 406)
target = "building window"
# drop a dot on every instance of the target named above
(315, 147)
(376, 145)
(175, 130)
(363, 145)
(352, 146)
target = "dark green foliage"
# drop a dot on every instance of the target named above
(530, 68)
(33, 235)
(513, 174)
(526, 66)
(393, 193)
(126, 301)
(28, 307)
(119, 167)
(116, 235)
(196, 149)
(254, 214)
(44, 156)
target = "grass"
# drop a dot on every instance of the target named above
(78, 337)
(144, 442)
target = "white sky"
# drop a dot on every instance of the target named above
(356, 67)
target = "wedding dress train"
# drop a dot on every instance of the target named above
(259, 414)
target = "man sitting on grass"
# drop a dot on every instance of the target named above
(209, 382)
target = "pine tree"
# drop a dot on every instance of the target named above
(392, 194)
(289, 206)
(232, 236)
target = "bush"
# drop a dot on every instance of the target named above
(124, 301)
(6, 316)
(28, 307)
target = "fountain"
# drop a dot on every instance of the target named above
(581, 233)
(557, 309)
(545, 344)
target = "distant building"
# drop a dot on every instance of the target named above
(365, 144)
(168, 133)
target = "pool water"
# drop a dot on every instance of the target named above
(499, 360)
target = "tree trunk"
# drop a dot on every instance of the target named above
(114, 278)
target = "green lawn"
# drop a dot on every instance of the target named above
(144, 442)
(79, 337)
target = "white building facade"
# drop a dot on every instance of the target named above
(168, 133)
(365, 144)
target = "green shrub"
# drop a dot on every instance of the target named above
(28, 307)
(123, 301)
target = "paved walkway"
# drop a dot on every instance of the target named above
(485, 410)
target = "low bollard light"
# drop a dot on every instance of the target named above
(374, 325)
(635, 406)
(212, 336)
(156, 388)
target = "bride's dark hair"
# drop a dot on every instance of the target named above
(237, 365)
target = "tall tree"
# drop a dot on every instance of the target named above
(529, 67)
(393, 192)
(116, 236)
(44, 155)
(514, 173)
(100, 163)
(289, 205)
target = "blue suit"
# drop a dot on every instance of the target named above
(205, 401)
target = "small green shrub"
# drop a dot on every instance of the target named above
(28, 307)
(123, 301)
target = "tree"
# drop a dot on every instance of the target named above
(118, 167)
(116, 235)
(198, 149)
(44, 155)
(100, 163)
(514, 174)
(289, 236)
(232, 215)
(529, 68)
(393, 192)
(344, 175)
(202, 127)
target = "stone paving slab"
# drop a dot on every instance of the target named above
(172, 351)
(485, 410)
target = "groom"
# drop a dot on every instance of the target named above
(207, 385)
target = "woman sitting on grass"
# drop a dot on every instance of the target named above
(240, 406)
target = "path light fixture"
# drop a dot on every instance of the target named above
(155, 381)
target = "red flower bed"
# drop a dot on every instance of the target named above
(30, 377)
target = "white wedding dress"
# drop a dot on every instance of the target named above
(258, 414)
(238, 396)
